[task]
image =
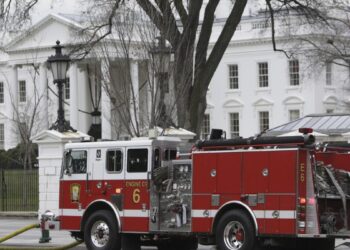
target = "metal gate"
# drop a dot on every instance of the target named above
(19, 190)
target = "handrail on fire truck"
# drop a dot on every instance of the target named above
(262, 141)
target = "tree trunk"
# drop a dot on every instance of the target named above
(183, 77)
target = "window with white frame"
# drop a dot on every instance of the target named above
(294, 72)
(328, 73)
(264, 121)
(1, 92)
(2, 136)
(205, 127)
(234, 124)
(263, 74)
(67, 89)
(233, 76)
(22, 91)
(294, 114)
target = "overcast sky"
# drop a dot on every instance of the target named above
(45, 7)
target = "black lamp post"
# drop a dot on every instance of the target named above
(59, 65)
(95, 128)
(161, 54)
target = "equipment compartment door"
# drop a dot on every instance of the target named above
(255, 172)
(256, 183)
(204, 173)
(135, 190)
(281, 196)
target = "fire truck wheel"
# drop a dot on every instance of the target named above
(101, 231)
(131, 242)
(235, 231)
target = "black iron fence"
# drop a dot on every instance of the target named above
(19, 190)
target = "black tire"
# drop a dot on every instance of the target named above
(131, 242)
(235, 230)
(101, 231)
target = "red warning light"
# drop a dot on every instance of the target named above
(305, 131)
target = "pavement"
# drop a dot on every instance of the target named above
(30, 239)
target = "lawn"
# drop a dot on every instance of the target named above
(19, 190)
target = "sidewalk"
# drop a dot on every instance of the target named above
(31, 237)
(15, 214)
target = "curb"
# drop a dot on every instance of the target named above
(15, 214)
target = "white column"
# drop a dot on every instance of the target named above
(150, 90)
(11, 100)
(84, 102)
(73, 108)
(105, 103)
(43, 107)
(134, 72)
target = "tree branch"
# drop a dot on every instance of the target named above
(223, 40)
(94, 37)
(272, 16)
(173, 35)
(206, 30)
(181, 10)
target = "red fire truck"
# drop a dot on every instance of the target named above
(232, 193)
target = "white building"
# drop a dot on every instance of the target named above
(25, 79)
(253, 88)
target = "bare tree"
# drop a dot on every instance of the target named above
(27, 119)
(318, 28)
(137, 104)
(14, 14)
(178, 21)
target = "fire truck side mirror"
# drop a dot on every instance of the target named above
(68, 169)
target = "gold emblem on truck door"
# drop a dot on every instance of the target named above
(75, 192)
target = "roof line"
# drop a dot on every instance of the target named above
(51, 16)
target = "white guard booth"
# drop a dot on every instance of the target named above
(51, 145)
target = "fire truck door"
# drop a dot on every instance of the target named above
(256, 183)
(107, 174)
(73, 192)
(136, 191)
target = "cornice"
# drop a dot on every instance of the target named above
(46, 20)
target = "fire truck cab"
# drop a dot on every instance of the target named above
(236, 194)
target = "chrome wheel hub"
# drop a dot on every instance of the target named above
(100, 233)
(234, 235)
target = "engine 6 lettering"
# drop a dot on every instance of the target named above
(302, 172)
(136, 197)
(136, 184)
